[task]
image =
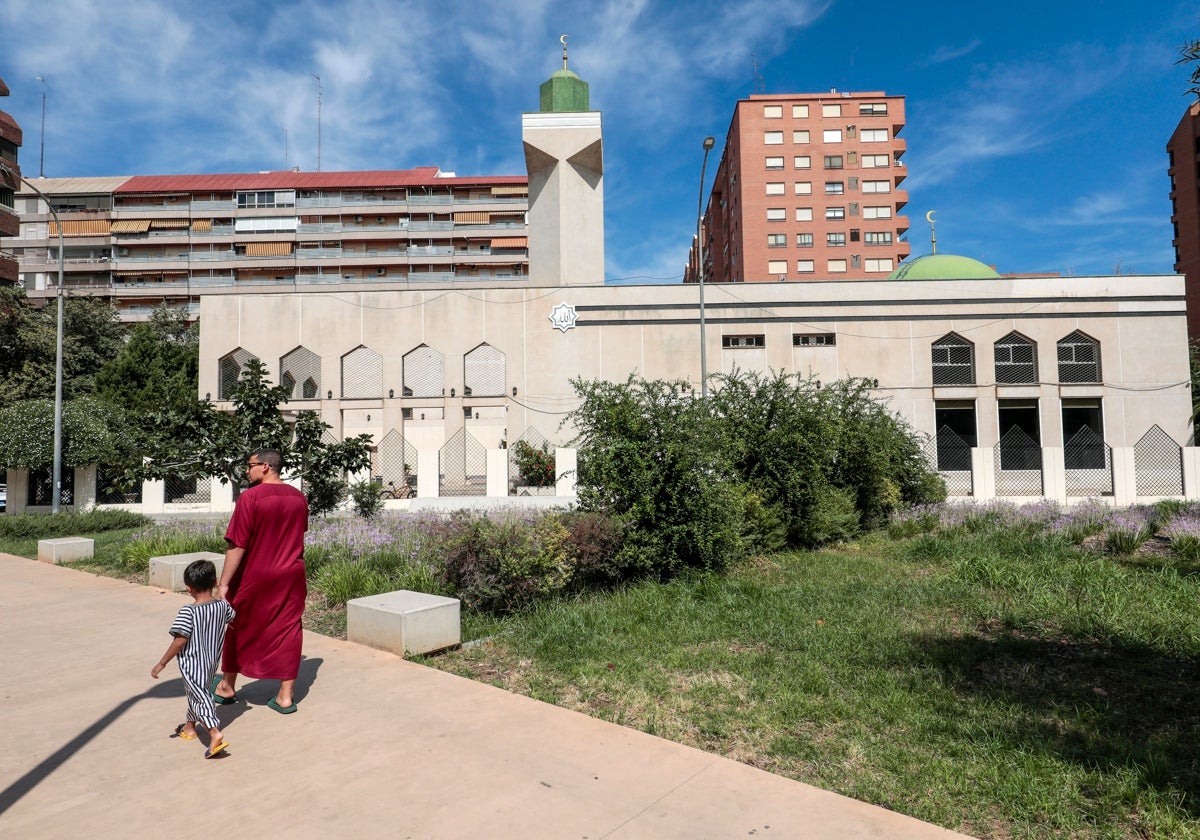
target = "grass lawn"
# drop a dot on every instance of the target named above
(1000, 685)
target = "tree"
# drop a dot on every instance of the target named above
(197, 440)
(92, 335)
(93, 432)
(157, 367)
(1189, 53)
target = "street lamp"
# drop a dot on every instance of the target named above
(58, 355)
(42, 161)
(709, 142)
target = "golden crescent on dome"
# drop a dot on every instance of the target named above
(929, 216)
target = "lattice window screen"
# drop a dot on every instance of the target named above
(230, 371)
(362, 374)
(1078, 358)
(953, 361)
(301, 370)
(1016, 360)
(424, 372)
(464, 466)
(483, 372)
(1158, 464)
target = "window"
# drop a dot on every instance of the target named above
(835, 240)
(852, 183)
(802, 162)
(805, 267)
(1016, 360)
(876, 161)
(877, 212)
(953, 361)
(776, 240)
(835, 213)
(804, 214)
(1078, 358)
(776, 267)
(773, 138)
(853, 234)
(954, 421)
(362, 374)
(804, 188)
(877, 237)
(874, 135)
(742, 341)
(813, 340)
(833, 161)
(831, 110)
(835, 188)
(1020, 440)
(775, 188)
(855, 261)
(800, 136)
(876, 186)
(835, 266)
(776, 214)
(774, 163)
(804, 240)
(872, 109)
(267, 198)
(832, 135)
(851, 158)
(773, 112)
(851, 131)
(1083, 435)
(878, 264)
(800, 112)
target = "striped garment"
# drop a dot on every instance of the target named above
(203, 625)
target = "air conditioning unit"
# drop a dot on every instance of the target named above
(380, 220)
(381, 271)
(358, 218)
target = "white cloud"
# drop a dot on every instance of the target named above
(946, 53)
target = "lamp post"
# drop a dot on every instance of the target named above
(58, 358)
(709, 142)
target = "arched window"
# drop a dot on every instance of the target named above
(483, 372)
(1078, 358)
(424, 372)
(362, 374)
(301, 366)
(1016, 360)
(953, 361)
(229, 370)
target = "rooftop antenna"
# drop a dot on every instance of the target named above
(285, 148)
(760, 84)
(932, 229)
(42, 162)
(563, 40)
(319, 91)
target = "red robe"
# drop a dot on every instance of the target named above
(269, 588)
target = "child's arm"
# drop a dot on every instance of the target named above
(173, 651)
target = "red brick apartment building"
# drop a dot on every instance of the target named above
(808, 188)
(1183, 153)
(10, 181)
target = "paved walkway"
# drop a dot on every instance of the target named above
(381, 747)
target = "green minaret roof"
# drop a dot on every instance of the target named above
(563, 92)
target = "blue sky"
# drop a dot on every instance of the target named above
(1036, 130)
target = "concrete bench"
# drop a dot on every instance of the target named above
(65, 549)
(166, 572)
(404, 622)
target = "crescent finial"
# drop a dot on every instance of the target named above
(929, 216)
(562, 39)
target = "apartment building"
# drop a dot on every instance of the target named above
(808, 187)
(10, 180)
(151, 239)
(1183, 154)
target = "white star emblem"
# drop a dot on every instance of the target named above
(562, 317)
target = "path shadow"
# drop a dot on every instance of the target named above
(9, 796)
(257, 692)
(1125, 708)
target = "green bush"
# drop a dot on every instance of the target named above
(43, 526)
(366, 498)
(594, 542)
(535, 466)
(506, 563)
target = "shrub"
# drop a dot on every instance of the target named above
(535, 466)
(1183, 535)
(505, 563)
(175, 538)
(48, 525)
(1081, 521)
(366, 498)
(594, 542)
(1126, 531)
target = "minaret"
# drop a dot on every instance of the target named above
(564, 155)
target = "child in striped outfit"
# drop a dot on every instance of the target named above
(199, 632)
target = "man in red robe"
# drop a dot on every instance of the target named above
(263, 578)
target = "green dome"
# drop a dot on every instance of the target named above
(564, 92)
(943, 267)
